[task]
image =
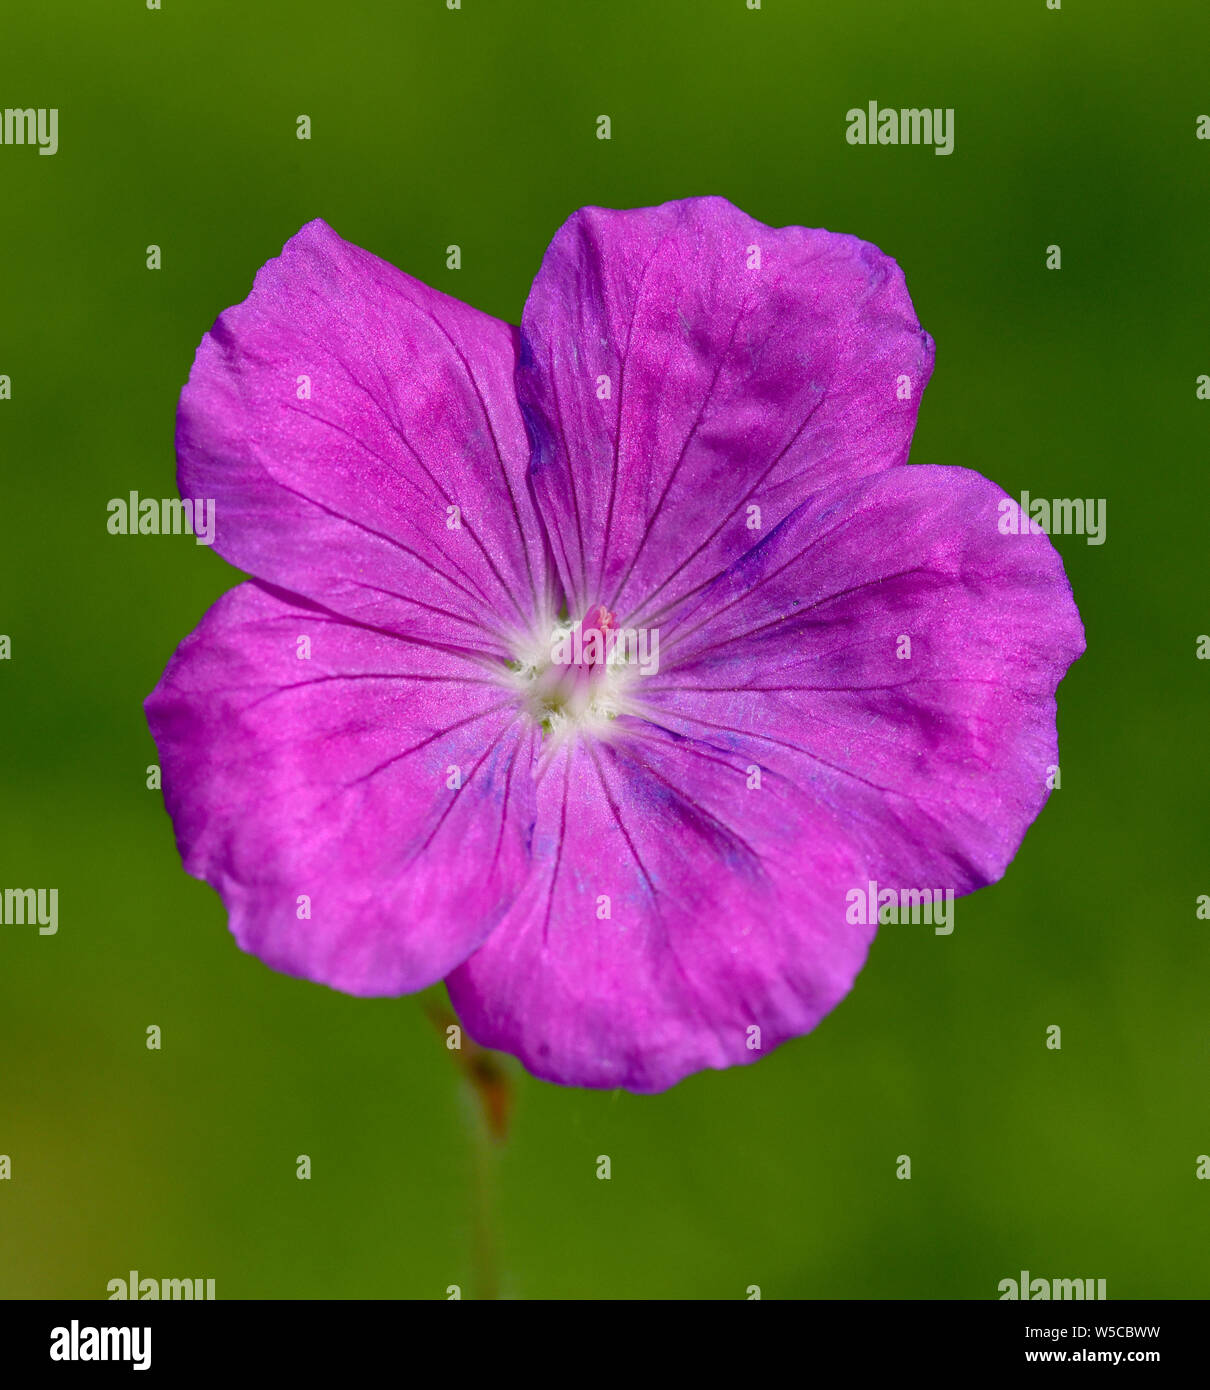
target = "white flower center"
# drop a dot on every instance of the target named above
(579, 681)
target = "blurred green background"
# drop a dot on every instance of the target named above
(431, 127)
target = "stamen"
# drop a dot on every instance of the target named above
(576, 684)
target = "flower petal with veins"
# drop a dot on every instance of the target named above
(329, 779)
(344, 495)
(747, 365)
(720, 916)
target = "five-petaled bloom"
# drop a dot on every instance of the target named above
(624, 871)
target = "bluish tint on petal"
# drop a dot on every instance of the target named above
(684, 364)
(897, 655)
(672, 910)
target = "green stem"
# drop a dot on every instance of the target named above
(485, 1282)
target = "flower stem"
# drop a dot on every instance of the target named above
(485, 1277)
(488, 1095)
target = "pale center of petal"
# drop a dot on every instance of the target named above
(579, 680)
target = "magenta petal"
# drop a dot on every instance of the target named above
(315, 793)
(719, 921)
(683, 364)
(895, 654)
(337, 417)
(728, 901)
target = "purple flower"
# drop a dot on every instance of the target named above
(423, 743)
